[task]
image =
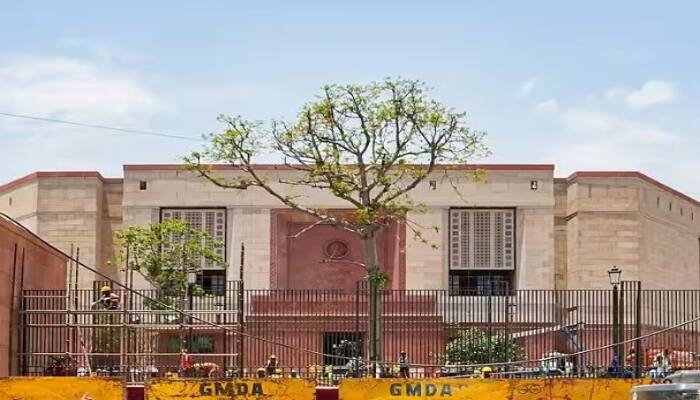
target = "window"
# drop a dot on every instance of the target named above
(211, 221)
(212, 281)
(481, 283)
(143, 185)
(482, 248)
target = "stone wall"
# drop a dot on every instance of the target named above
(624, 219)
(670, 239)
(69, 209)
(20, 202)
(25, 263)
(569, 232)
(426, 267)
(69, 214)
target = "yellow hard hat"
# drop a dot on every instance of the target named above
(105, 289)
(486, 369)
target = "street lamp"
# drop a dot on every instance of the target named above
(615, 275)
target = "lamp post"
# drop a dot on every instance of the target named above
(615, 276)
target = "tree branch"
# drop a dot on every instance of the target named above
(332, 261)
(308, 228)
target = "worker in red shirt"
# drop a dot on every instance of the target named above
(185, 362)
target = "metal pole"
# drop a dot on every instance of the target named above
(24, 318)
(183, 303)
(75, 295)
(224, 318)
(79, 338)
(123, 367)
(638, 332)
(374, 332)
(134, 336)
(615, 321)
(69, 315)
(190, 332)
(357, 329)
(77, 266)
(490, 323)
(240, 314)
(507, 333)
(13, 318)
(621, 324)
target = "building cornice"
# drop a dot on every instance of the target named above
(33, 177)
(629, 174)
(282, 167)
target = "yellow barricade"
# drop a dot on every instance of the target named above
(60, 388)
(487, 389)
(206, 389)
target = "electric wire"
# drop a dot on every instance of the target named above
(104, 127)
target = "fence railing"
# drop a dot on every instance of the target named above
(319, 333)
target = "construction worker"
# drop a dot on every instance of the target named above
(271, 368)
(486, 372)
(207, 369)
(403, 365)
(185, 363)
(260, 373)
(108, 300)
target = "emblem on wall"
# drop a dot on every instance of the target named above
(336, 249)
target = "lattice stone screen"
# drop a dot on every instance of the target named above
(212, 221)
(482, 239)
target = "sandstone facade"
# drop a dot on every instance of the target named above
(568, 232)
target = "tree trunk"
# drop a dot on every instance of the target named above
(373, 302)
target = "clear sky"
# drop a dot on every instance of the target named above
(585, 85)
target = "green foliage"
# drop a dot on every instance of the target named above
(165, 253)
(368, 145)
(379, 278)
(472, 346)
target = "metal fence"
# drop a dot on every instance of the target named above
(320, 333)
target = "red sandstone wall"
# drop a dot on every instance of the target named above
(42, 268)
(294, 249)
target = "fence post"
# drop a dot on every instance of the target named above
(241, 314)
(621, 336)
(13, 316)
(506, 318)
(24, 336)
(490, 322)
(615, 322)
(638, 332)
(360, 342)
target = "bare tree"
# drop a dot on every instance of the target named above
(369, 145)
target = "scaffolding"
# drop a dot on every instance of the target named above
(314, 332)
(71, 331)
